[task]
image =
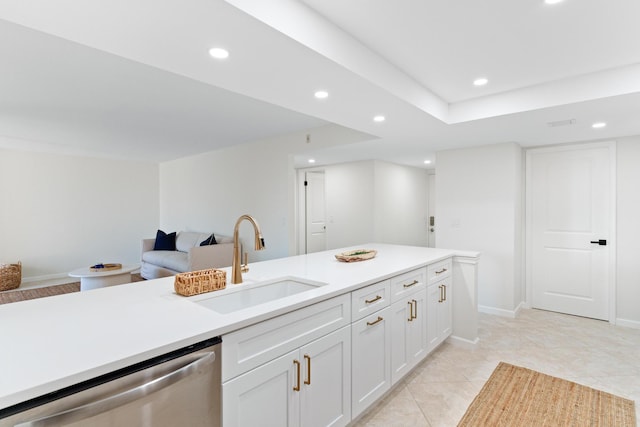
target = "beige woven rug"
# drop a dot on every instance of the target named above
(515, 396)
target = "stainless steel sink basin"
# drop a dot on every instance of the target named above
(252, 294)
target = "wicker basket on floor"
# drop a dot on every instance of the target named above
(198, 282)
(10, 276)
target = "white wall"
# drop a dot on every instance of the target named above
(59, 213)
(628, 231)
(479, 207)
(375, 201)
(208, 193)
(349, 196)
(401, 204)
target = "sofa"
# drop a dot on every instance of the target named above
(188, 255)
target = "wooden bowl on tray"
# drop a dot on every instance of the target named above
(356, 255)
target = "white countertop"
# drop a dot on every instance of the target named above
(51, 343)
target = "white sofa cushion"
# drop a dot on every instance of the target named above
(223, 239)
(173, 260)
(188, 239)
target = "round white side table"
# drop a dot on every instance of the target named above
(100, 279)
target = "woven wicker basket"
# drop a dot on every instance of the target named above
(10, 276)
(198, 282)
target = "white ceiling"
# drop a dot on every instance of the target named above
(132, 78)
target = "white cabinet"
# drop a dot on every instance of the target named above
(325, 364)
(439, 314)
(325, 393)
(263, 396)
(371, 359)
(408, 333)
(292, 370)
(408, 322)
(307, 387)
(258, 344)
(370, 299)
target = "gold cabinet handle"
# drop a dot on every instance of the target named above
(308, 359)
(414, 305)
(410, 319)
(441, 271)
(440, 287)
(369, 301)
(297, 386)
(408, 285)
(378, 320)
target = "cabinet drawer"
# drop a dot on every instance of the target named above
(255, 345)
(370, 299)
(407, 283)
(439, 270)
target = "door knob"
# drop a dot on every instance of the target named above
(600, 242)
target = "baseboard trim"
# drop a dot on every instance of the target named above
(46, 277)
(463, 342)
(628, 323)
(501, 311)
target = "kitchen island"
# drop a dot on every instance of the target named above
(55, 342)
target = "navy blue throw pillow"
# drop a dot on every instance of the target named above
(211, 240)
(164, 241)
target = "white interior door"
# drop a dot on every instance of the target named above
(570, 216)
(316, 236)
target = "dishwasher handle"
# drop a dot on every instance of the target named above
(95, 408)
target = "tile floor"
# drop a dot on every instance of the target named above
(590, 352)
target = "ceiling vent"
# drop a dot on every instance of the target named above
(561, 123)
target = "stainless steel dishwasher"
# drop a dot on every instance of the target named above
(181, 388)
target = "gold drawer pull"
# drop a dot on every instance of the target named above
(369, 301)
(441, 271)
(408, 285)
(380, 319)
(308, 359)
(297, 386)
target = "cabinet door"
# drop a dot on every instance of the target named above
(400, 317)
(417, 329)
(434, 295)
(325, 396)
(371, 359)
(264, 396)
(445, 319)
(408, 334)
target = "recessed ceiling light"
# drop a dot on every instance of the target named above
(480, 82)
(219, 53)
(553, 1)
(598, 125)
(311, 160)
(379, 119)
(321, 94)
(427, 162)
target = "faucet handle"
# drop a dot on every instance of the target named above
(245, 267)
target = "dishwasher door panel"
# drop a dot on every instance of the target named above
(184, 390)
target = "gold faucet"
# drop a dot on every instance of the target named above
(237, 268)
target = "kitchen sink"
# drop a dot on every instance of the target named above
(252, 294)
